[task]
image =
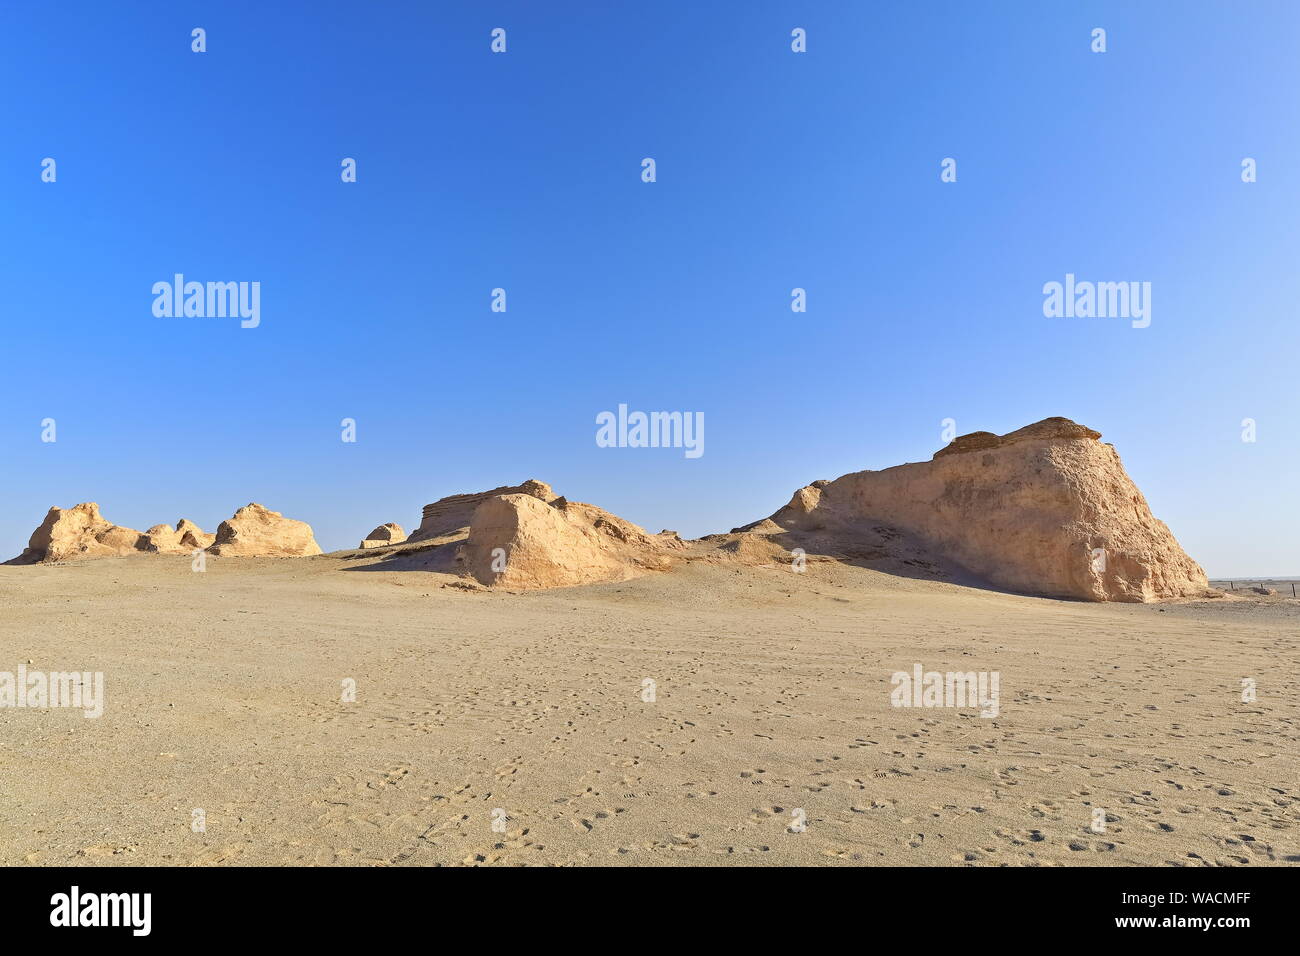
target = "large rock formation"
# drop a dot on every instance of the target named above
(524, 541)
(384, 535)
(78, 532)
(82, 532)
(1047, 509)
(255, 531)
(446, 516)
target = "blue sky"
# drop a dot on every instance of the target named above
(522, 170)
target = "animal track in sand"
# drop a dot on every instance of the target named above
(891, 774)
(515, 841)
(677, 842)
(695, 790)
(587, 824)
(390, 778)
(1020, 837)
(105, 849)
(217, 855)
(1244, 841)
(1096, 846)
(730, 850)
(841, 853)
(509, 769)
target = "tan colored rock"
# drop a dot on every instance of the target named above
(184, 538)
(256, 531)
(1047, 428)
(68, 534)
(1047, 509)
(385, 534)
(446, 516)
(522, 541)
(161, 539)
(82, 532)
(192, 536)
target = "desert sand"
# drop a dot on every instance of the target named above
(772, 694)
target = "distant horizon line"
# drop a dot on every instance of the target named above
(1256, 577)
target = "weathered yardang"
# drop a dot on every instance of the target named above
(1047, 509)
(69, 534)
(256, 531)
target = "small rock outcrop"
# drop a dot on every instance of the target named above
(524, 541)
(161, 539)
(1047, 509)
(183, 539)
(384, 535)
(192, 536)
(256, 531)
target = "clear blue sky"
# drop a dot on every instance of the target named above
(775, 170)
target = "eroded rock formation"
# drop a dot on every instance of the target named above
(384, 535)
(256, 531)
(1047, 509)
(77, 532)
(192, 536)
(523, 541)
(448, 515)
(69, 534)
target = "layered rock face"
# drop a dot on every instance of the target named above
(384, 535)
(1047, 509)
(453, 513)
(523, 541)
(255, 531)
(81, 531)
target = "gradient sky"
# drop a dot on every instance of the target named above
(522, 170)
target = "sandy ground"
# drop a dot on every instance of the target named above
(772, 696)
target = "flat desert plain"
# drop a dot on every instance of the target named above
(771, 705)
